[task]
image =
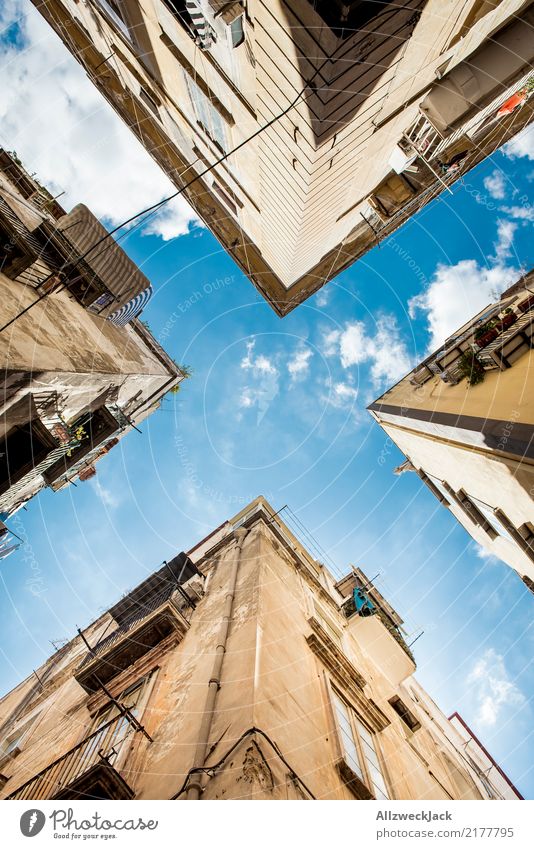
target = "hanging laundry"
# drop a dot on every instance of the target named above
(512, 103)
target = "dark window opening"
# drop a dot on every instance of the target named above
(20, 451)
(405, 714)
(178, 9)
(13, 258)
(86, 290)
(149, 100)
(89, 430)
(344, 19)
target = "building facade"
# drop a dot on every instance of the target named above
(464, 419)
(240, 670)
(358, 113)
(79, 369)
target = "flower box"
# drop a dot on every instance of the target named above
(487, 337)
(527, 304)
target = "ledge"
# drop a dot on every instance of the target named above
(346, 674)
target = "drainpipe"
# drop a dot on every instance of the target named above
(195, 787)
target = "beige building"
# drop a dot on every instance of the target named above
(358, 113)
(79, 369)
(464, 418)
(240, 670)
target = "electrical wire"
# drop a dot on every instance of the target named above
(247, 733)
(156, 206)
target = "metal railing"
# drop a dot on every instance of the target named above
(142, 612)
(102, 746)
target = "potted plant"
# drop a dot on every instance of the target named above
(507, 320)
(470, 367)
(487, 337)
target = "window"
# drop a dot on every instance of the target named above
(114, 736)
(344, 18)
(178, 9)
(405, 713)
(327, 623)
(21, 450)
(359, 750)
(12, 744)
(237, 31)
(115, 12)
(225, 197)
(441, 493)
(149, 101)
(131, 698)
(90, 430)
(13, 258)
(207, 116)
(487, 512)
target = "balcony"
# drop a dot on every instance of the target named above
(509, 342)
(157, 609)
(379, 635)
(87, 770)
(496, 338)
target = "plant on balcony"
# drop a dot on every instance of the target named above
(487, 337)
(470, 367)
(508, 319)
(78, 435)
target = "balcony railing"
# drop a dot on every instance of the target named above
(350, 610)
(153, 620)
(102, 747)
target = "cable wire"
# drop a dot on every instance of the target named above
(156, 206)
(247, 733)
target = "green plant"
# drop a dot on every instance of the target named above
(470, 367)
(187, 371)
(480, 331)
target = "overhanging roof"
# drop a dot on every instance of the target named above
(176, 571)
(108, 261)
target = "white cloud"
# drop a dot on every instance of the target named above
(322, 297)
(264, 382)
(505, 239)
(354, 345)
(64, 130)
(340, 395)
(485, 555)
(385, 352)
(331, 343)
(108, 497)
(458, 292)
(343, 394)
(495, 185)
(259, 364)
(299, 366)
(493, 690)
(522, 144)
(523, 213)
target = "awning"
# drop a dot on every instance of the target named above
(131, 309)
(119, 274)
(200, 24)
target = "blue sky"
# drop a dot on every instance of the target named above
(275, 407)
